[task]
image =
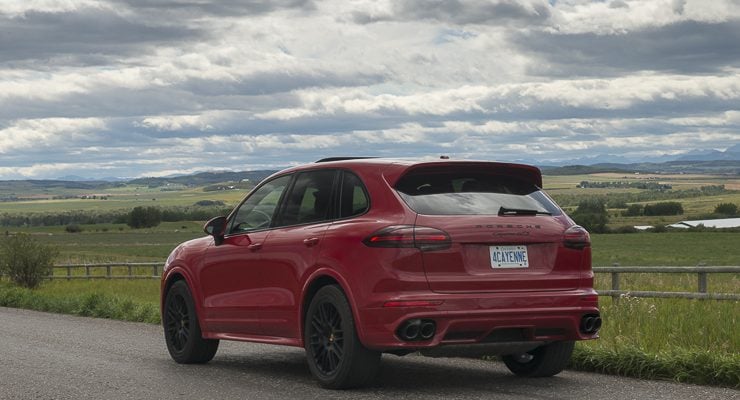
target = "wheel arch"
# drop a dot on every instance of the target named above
(178, 274)
(315, 282)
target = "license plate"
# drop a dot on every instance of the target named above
(509, 257)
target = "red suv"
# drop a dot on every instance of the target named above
(351, 258)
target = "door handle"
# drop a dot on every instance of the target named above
(311, 241)
(254, 246)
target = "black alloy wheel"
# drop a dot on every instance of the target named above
(177, 322)
(182, 332)
(334, 353)
(327, 338)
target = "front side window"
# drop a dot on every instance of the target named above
(258, 210)
(310, 198)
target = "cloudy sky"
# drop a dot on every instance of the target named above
(127, 88)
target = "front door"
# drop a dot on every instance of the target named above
(232, 274)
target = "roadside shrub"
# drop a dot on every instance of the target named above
(633, 210)
(665, 208)
(144, 217)
(625, 229)
(26, 261)
(592, 215)
(726, 209)
(73, 228)
(621, 204)
(658, 228)
(210, 203)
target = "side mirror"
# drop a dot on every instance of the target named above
(216, 227)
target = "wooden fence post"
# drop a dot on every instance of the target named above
(615, 283)
(702, 279)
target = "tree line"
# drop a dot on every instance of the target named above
(168, 214)
(620, 200)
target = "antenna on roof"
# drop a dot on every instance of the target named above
(443, 157)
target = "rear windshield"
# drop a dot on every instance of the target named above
(471, 194)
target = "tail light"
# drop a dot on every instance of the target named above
(421, 237)
(576, 237)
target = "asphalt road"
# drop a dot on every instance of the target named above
(51, 356)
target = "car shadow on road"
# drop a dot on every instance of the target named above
(410, 374)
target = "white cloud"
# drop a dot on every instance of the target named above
(48, 133)
(620, 16)
(18, 8)
(175, 122)
(240, 85)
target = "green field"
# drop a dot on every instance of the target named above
(100, 243)
(123, 198)
(118, 242)
(565, 187)
(685, 340)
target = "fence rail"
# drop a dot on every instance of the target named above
(701, 272)
(129, 269)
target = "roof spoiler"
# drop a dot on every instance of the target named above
(330, 159)
(525, 172)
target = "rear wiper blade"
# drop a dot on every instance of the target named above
(520, 211)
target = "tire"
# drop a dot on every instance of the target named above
(547, 360)
(181, 329)
(335, 355)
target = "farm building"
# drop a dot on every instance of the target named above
(709, 223)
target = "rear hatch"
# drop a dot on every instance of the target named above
(505, 234)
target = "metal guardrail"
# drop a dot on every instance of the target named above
(701, 272)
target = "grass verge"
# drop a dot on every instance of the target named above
(87, 304)
(702, 367)
(690, 341)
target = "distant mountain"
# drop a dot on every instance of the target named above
(731, 154)
(591, 160)
(729, 165)
(73, 178)
(36, 184)
(583, 169)
(204, 178)
(703, 155)
(77, 178)
(723, 167)
(80, 183)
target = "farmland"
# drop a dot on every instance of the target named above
(688, 340)
(566, 191)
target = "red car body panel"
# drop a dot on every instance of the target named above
(256, 286)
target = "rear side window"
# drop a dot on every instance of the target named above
(310, 198)
(353, 197)
(471, 193)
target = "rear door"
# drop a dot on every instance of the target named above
(292, 249)
(506, 235)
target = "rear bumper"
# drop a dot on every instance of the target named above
(494, 319)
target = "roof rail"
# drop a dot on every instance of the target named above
(329, 159)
